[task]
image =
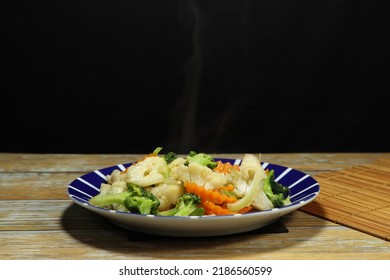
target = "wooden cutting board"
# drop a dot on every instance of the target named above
(357, 197)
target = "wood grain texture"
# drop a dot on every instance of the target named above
(39, 221)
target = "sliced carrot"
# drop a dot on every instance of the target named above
(245, 210)
(228, 188)
(213, 209)
(213, 196)
(225, 167)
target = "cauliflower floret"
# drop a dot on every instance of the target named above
(116, 187)
(167, 194)
(179, 171)
(147, 172)
(116, 175)
(204, 176)
(104, 188)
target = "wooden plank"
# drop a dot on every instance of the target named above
(35, 185)
(64, 230)
(15, 162)
(299, 243)
(48, 215)
(43, 223)
(79, 163)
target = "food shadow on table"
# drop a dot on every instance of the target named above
(97, 231)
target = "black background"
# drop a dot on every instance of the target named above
(214, 76)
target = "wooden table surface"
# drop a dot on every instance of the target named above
(39, 221)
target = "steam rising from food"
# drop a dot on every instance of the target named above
(206, 110)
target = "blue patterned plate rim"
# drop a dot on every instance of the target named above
(303, 189)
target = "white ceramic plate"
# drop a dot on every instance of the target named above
(303, 189)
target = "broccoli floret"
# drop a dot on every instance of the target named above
(202, 159)
(105, 200)
(142, 204)
(169, 157)
(135, 199)
(276, 193)
(140, 201)
(187, 205)
(134, 189)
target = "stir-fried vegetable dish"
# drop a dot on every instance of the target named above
(192, 185)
